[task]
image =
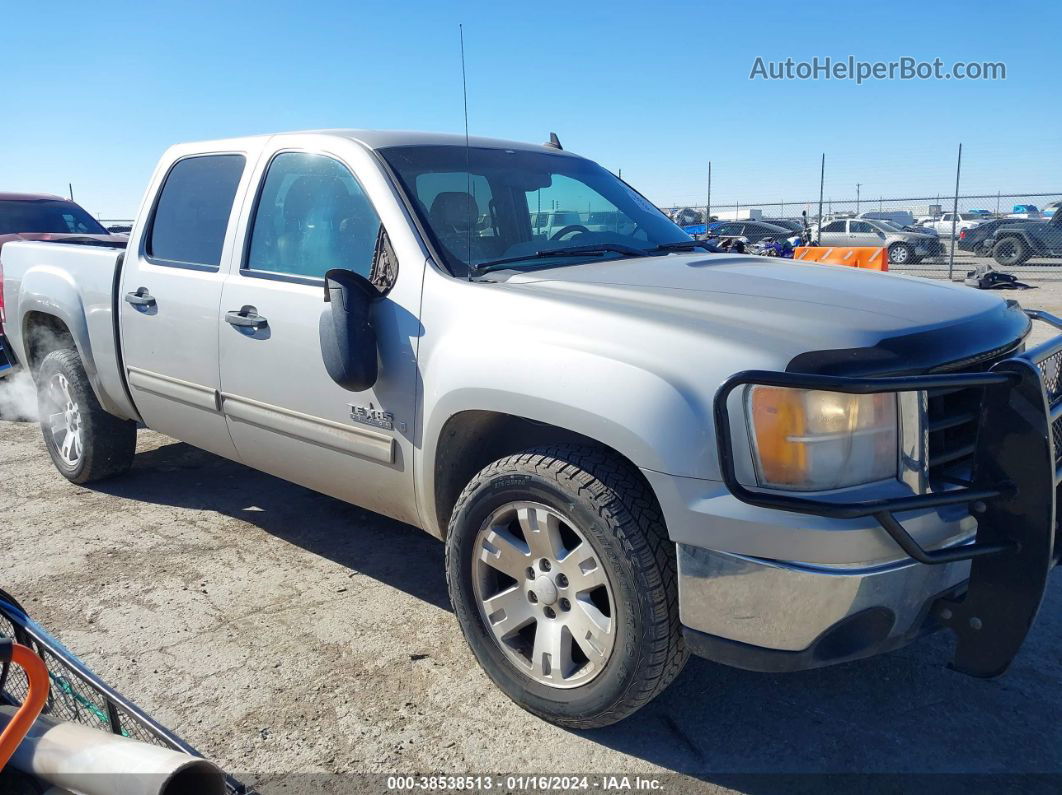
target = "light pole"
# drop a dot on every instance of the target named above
(858, 185)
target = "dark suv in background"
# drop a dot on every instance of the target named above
(1019, 239)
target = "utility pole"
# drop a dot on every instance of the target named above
(708, 206)
(858, 186)
(954, 215)
(822, 181)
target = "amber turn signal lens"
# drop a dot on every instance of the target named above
(816, 440)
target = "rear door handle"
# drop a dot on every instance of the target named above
(140, 298)
(247, 317)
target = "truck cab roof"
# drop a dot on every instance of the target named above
(380, 139)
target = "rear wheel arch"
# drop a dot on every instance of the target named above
(43, 333)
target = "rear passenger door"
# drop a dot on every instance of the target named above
(169, 299)
(285, 414)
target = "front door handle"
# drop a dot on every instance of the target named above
(247, 317)
(140, 298)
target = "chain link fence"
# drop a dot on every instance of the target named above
(944, 225)
(924, 234)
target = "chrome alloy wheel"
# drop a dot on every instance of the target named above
(543, 593)
(63, 417)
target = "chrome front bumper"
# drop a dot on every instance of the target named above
(773, 615)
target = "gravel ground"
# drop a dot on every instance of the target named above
(283, 632)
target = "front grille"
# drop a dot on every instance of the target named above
(952, 416)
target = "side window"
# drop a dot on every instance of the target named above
(862, 227)
(193, 210)
(835, 226)
(312, 216)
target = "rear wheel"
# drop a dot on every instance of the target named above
(563, 580)
(1010, 251)
(84, 441)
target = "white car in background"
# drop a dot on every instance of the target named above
(962, 222)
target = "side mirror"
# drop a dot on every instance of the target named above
(881, 234)
(348, 340)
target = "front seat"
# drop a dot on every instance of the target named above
(454, 216)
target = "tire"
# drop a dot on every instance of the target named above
(602, 510)
(1010, 251)
(85, 443)
(900, 254)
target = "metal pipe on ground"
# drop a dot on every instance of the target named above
(78, 758)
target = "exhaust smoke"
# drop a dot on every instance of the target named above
(18, 397)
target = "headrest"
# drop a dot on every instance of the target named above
(454, 210)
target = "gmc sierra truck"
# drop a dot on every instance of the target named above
(632, 448)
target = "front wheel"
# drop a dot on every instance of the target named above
(563, 580)
(84, 441)
(900, 254)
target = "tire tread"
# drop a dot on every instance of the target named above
(625, 503)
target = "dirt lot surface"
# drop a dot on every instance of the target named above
(281, 632)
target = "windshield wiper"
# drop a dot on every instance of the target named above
(681, 245)
(573, 251)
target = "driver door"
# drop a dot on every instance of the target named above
(285, 414)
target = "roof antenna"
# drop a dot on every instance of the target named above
(468, 173)
(554, 142)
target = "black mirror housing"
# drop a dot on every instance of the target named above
(348, 339)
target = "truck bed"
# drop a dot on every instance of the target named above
(77, 284)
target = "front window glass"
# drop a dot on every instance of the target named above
(514, 203)
(46, 216)
(312, 216)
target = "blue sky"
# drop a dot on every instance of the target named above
(96, 91)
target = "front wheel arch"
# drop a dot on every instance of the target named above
(472, 439)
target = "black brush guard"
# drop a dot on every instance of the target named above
(1011, 494)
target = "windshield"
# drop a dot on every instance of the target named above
(46, 215)
(510, 203)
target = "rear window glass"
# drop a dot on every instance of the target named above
(193, 210)
(46, 215)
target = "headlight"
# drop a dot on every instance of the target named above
(809, 440)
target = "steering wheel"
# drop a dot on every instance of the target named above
(567, 230)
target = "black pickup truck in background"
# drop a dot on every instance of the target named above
(1014, 242)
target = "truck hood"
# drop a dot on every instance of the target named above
(787, 308)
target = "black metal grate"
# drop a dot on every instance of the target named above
(1051, 372)
(79, 696)
(72, 698)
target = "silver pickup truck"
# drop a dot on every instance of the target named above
(633, 449)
